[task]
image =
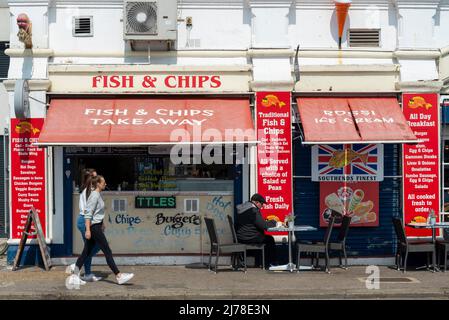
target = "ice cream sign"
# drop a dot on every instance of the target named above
(346, 162)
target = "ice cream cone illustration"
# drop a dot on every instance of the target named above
(341, 7)
(356, 199)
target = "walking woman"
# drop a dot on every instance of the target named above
(93, 219)
(88, 174)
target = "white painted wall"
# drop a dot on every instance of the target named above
(4, 23)
(4, 109)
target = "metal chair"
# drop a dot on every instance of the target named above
(443, 247)
(320, 247)
(408, 246)
(249, 246)
(340, 244)
(217, 248)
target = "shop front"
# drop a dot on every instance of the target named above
(347, 155)
(168, 159)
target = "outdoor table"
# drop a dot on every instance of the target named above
(290, 266)
(434, 226)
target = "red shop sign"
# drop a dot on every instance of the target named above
(274, 153)
(27, 174)
(420, 161)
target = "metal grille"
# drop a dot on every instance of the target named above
(4, 61)
(364, 37)
(82, 27)
(119, 205)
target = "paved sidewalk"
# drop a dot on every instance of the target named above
(178, 282)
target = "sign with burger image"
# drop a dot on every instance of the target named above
(360, 200)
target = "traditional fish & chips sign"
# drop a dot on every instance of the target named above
(347, 162)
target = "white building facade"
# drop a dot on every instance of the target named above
(218, 50)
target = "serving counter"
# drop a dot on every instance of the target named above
(160, 223)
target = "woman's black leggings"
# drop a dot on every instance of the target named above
(97, 237)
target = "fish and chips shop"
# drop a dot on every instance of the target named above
(168, 160)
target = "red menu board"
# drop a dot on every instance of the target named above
(421, 161)
(360, 200)
(27, 174)
(274, 153)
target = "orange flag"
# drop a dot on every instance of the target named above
(342, 7)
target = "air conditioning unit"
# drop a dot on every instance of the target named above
(150, 19)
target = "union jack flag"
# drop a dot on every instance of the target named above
(356, 162)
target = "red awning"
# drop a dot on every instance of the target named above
(147, 121)
(353, 120)
(327, 120)
(380, 119)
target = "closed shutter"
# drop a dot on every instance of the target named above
(361, 241)
(4, 61)
(2, 190)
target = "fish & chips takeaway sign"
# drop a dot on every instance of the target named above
(346, 162)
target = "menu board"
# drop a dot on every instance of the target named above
(151, 174)
(274, 153)
(27, 174)
(420, 161)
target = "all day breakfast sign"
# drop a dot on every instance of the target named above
(274, 153)
(420, 161)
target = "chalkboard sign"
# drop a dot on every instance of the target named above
(33, 217)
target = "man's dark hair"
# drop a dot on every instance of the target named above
(257, 197)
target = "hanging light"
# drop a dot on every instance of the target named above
(342, 7)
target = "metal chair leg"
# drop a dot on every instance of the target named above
(210, 259)
(327, 262)
(445, 258)
(346, 257)
(263, 258)
(216, 260)
(244, 259)
(297, 261)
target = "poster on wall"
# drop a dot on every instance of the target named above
(27, 174)
(347, 162)
(421, 161)
(274, 153)
(360, 200)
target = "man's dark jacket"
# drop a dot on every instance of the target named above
(250, 224)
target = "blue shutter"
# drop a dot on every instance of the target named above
(361, 241)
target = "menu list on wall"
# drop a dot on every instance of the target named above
(27, 174)
(421, 180)
(274, 153)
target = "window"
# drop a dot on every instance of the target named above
(119, 205)
(82, 27)
(134, 169)
(191, 205)
(364, 37)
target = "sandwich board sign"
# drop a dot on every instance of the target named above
(33, 217)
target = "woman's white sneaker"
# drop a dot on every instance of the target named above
(124, 277)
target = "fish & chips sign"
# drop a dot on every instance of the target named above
(346, 162)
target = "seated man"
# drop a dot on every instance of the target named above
(250, 227)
